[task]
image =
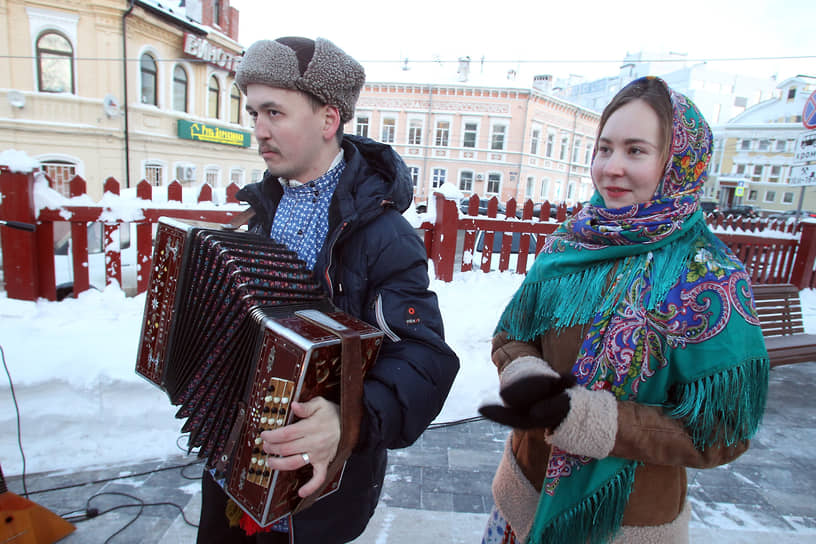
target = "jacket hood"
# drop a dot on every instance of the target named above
(395, 185)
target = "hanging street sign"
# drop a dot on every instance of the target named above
(809, 112)
(209, 133)
(803, 168)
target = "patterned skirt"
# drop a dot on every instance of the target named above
(498, 531)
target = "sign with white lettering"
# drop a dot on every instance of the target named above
(216, 135)
(201, 48)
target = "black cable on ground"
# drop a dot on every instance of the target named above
(17, 410)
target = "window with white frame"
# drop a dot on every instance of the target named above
(550, 144)
(154, 173)
(213, 97)
(415, 132)
(571, 191)
(237, 176)
(179, 88)
(564, 148)
(211, 175)
(466, 181)
(442, 133)
(752, 195)
(497, 137)
(545, 186)
(389, 129)
(149, 83)
(776, 173)
(257, 175)
(780, 146)
(493, 183)
(414, 171)
(787, 197)
(55, 63)
(588, 153)
(764, 145)
(530, 186)
(576, 149)
(60, 174)
(757, 176)
(362, 126)
(235, 104)
(740, 170)
(470, 134)
(438, 177)
(557, 191)
(745, 145)
(770, 196)
(535, 136)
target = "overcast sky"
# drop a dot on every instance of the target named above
(561, 30)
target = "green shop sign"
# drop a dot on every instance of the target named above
(216, 135)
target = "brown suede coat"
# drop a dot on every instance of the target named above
(644, 434)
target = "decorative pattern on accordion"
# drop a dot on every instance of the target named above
(219, 336)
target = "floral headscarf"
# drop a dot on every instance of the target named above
(661, 293)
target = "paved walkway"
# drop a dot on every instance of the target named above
(438, 490)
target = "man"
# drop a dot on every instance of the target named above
(338, 201)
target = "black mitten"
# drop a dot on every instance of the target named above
(539, 401)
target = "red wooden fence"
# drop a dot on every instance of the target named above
(28, 257)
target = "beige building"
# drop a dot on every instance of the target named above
(130, 89)
(502, 140)
(755, 151)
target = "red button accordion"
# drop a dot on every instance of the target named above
(235, 328)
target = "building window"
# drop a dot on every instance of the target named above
(213, 97)
(764, 145)
(791, 94)
(442, 133)
(235, 105)
(752, 195)
(211, 176)
(780, 146)
(415, 132)
(550, 144)
(534, 137)
(570, 190)
(389, 128)
(466, 181)
(770, 196)
(439, 177)
(588, 153)
(154, 174)
(55, 64)
(149, 80)
(217, 12)
(470, 134)
(497, 137)
(414, 171)
(787, 198)
(757, 176)
(179, 88)
(745, 145)
(564, 145)
(60, 173)
(257, 175)
(576, 150)
(530, 186)
(362, 126)
(237, 176)
(493, 183)
(775, 174)
(545, 186)
(740, 170)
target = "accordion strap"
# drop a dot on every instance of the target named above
(351, 398)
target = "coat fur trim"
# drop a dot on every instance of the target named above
(590, 426)
(514, 495)
(674, 532)
(525, 367)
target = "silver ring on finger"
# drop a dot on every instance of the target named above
(305, 457)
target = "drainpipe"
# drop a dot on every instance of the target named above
(427, 148)
(124, 73)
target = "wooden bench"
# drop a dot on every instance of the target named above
(780, 316)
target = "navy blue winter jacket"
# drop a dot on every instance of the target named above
(374, 266)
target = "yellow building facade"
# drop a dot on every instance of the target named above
(126, 89)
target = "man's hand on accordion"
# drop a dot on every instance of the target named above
(316, 434)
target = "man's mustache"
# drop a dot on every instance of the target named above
(265, 148)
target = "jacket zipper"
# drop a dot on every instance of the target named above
(330, 258)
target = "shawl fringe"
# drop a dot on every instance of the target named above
(725, 407)
(596, 518)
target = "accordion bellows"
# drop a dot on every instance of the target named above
(235, 328)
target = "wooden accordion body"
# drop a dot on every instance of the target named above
(235, 328)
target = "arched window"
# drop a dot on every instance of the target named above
(235, 104)
(149, 80)
(55, 63)
(213, 96)
(179, 88)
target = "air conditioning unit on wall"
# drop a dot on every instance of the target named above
(185, 173)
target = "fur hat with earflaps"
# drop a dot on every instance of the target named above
(317, 67)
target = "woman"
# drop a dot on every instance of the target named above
(632, 349)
